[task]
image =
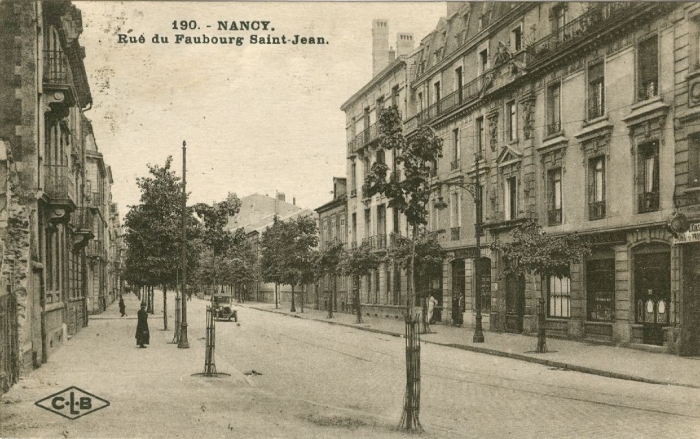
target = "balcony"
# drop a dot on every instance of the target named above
(648, 202)
(380, 241)
(58, 184)
(81, 222)
(369, 241)
(56, 69)
(599, 17)
(596, 210)
(95, 249)
(506, 69)
(554, 217)
(455, 233)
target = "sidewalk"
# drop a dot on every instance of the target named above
(609, 361)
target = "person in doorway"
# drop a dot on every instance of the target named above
(432, 303)
(142, 335)
(122, 306)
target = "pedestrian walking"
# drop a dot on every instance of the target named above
(122, 306)
(432, 303)
(142, 335)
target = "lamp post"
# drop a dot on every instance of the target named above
(183, 343)
(475, 190)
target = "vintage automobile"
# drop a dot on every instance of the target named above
(223, 307)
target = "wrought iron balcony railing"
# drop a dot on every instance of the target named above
(95, 248)
(81, 219)
(648, 90)
(56, 69)
(598, 17)
(380, 241)
(58, 182)
(554, 217)
(554, 127)
(648, 202)
(455, 233)
(368, 241)
(596, 210)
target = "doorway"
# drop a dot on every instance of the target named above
(457, 291)
(652, 288)
(515, 303)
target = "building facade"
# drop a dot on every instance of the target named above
(46, 220)
(333, 220)
(582, 116)
(370, 219)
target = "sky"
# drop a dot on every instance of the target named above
(256, 119)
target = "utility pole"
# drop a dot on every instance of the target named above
(183, 343)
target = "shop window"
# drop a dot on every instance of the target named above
(559, 294)
(648, 69)
(600, 289)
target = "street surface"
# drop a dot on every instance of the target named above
(318, 380)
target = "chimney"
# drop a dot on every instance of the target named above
(280, 196)
(392, 54)
(380, 45)
(294, 201)
(404, 43)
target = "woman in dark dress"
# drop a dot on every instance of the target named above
(142, 336)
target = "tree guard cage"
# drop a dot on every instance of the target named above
(410, 418)
(209, 366)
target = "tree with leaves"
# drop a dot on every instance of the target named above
(153, 232)
(409, 192)
(287, 256)
(358, 263)
(533, 251)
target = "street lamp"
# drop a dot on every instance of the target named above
(183, 343)
(475, 190)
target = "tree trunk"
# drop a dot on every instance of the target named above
(165, 308)
(303, 289)
(410, 420)
(276, 302)
(293, 308)
(358, 309)
(330, 302)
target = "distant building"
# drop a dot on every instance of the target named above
(332, 220)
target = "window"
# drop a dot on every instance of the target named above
(455, 148)
(516, 38)
(480, 206)
(649, 177)
(395, 220)
(353, 230)
(459, 78)
(353, 179)
(511, 112)
(333, 229)
(380, 156)
(648, 69)
(553, 109)
(420, 102)
(596, 90)
(368, 224)
(455, 216)
(483, 61)
(554, 194)
(436, 92)
(558, 17)
(395, 96)
(511, 199)
(559, 293)
(435, 216)
(600, 288)
(694, 160)
(480, 135)
(343, 232)
(596, 188)
(376, 286)
(380, 106)
(326, 235)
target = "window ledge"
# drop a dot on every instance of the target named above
(558, 319)
(553, 141)
(596, 120)
(692, 189)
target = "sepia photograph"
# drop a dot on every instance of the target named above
(349, 219)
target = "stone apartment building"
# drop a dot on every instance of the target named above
(583, 117)
(46, 219)
(333, 220)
